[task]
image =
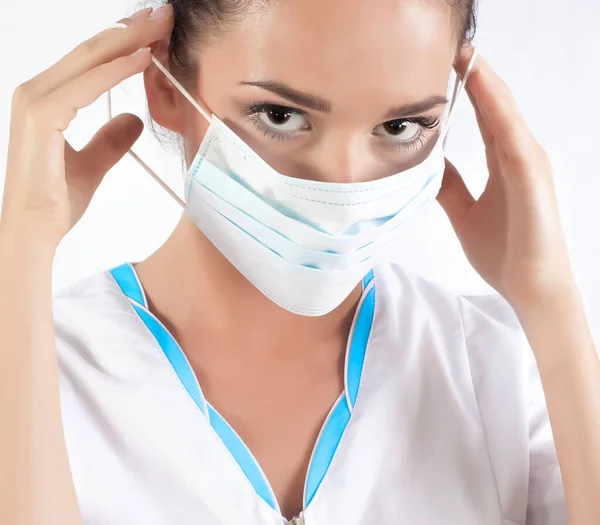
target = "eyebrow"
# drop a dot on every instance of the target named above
(415, 108)
(297, 97)
(324, 106)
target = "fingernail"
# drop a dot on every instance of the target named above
(118, 25)
(141, 13)
(161, 12)
(140, 51)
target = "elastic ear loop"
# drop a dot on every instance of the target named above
(459, 84)
(184, 92)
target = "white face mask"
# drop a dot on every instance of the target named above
(304, 244)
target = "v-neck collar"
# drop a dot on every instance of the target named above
(336, 422)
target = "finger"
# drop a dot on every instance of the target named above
(454, 196)
(463, 59)
(488, 139)
(86, 168)
(60, 107)
(105, 47)
(486, 134)
(462, 63)
(498, 109)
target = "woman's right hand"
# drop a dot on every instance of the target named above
(48, 184)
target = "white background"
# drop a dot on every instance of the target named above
(548, 51)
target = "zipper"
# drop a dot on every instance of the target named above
(298, 520)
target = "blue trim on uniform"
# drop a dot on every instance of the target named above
(128, 282)
(358, 346)
(326, 447)
(335, 425)
(340, 416)
(243, 457)
(175, 356)
(367, 279)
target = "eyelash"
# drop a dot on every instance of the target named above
(428, 124)
(253, 112)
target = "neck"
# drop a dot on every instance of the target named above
(195, 290)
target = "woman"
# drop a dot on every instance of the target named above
(243, 373)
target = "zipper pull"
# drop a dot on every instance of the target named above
(298, 520)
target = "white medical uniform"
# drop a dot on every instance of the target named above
(442, 421)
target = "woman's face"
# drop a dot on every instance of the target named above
(331, 90)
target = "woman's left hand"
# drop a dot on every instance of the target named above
(513, 237)
(512, 234)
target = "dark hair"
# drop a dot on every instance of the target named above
(196, 21)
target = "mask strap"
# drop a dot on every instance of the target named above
(459, 84)
(163, 184)
(183, 91)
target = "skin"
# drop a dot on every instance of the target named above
(511, 235)
(253, 375)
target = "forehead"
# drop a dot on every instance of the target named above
(344, 50)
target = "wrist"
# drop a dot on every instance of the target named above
(561, 307)
(20, 244)
(543, 289)
(560, 295)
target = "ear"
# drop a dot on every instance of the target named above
(164, 101)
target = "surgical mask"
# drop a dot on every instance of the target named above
(304, 244)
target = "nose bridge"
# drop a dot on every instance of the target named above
(340, 156)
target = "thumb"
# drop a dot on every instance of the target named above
(454, 196)
(89, 165)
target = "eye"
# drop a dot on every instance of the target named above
(282, 119)
(402, 130)
(406, 132)
(278, 121)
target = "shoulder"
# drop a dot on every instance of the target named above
(400, 290)
(98, 332)
(472, 348)
(95, 305)
(89, 293)
(479, 336)
(477, 316)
